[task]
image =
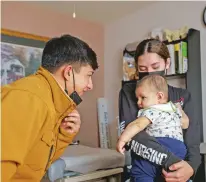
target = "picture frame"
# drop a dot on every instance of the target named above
(20, 54)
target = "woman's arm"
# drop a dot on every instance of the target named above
(192, 135)
(186, 169)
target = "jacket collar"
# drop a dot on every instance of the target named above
(62, 102)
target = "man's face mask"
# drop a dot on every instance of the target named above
(143, 74)
(76, 98)
(74, 95)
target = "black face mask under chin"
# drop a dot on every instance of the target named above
(74, 95)
(143, 74)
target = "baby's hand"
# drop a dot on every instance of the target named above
(120, 146)
(180, 108)
(178, 105)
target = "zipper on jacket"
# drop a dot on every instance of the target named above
(50, 153)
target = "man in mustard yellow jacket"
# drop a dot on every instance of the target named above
(39, 116)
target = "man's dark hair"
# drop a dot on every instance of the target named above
(67, 50)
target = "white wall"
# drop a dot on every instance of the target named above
(135, 27)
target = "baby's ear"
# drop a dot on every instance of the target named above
(160, 96)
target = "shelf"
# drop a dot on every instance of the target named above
(175, 76)
(175, 41)
(132, 53)
(129, 82)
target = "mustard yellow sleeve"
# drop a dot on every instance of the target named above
(22, 114)
(64, 139)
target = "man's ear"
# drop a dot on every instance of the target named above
(160, 96)
(67, 72)
(168, 62)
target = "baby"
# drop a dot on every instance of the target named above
(161, 119)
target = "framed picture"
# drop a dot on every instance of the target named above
(20, 54)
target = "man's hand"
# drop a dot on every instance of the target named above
(182, 172)
(72, 122)
(120, 146)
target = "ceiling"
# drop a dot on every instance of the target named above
(102, 12)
